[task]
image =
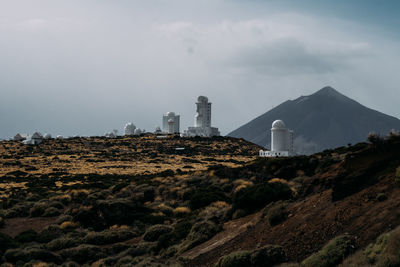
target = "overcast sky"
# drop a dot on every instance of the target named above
(86, 67)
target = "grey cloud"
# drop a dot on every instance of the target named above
(288, 56)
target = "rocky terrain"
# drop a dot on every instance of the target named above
(140, 202)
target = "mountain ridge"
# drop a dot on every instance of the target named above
(322, 120)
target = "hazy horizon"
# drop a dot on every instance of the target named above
(74, 67)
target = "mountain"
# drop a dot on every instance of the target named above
(325, 119)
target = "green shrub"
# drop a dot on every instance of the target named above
(155, 231)
(49, 233)
(381, 197)
(51, 212)
(385, 251)
(64, 218)
(18, 210)
(265, 256)
(205, 197)
(62, 243)
(181, 230)
(255, 197)
(397, 176)
(38, 209)
(108, 236)
(123, 211)
(6, 242)
(331, 254)
(277, 214)
(26, 236)
(82, 253)
(201, 232)
(31, 253)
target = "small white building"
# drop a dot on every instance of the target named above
(110, 135)
(281, 141)
(202, 120)
(20, 137)
(138, 131)
(35, 139)
(158, 130)
(129, 128)
(47, 136)
(171, 123)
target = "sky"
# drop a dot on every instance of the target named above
(73, 67)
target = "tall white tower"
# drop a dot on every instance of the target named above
(203, 113)
(281, 141)
(279, 136)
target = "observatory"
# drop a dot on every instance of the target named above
(202, 120)
(129, 128)
(20, 137)
(35, 139)
(281, 141)
(170, 123)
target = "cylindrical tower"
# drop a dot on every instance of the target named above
(279, 136)
(171, 126)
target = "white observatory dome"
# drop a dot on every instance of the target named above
(170, 114)
(202, 99)
(129, 129)
(47, 136)
(278, 124)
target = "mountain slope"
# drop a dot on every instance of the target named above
(325, 119)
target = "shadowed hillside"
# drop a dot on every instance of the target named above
(325, 119)
(227, 209)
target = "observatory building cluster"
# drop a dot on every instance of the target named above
(281, 141)
(171, 123)
(281, 137)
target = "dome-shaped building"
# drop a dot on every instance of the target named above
(129, 128)
(281, 141)
(278, 124)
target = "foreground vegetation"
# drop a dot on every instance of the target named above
(161, 218)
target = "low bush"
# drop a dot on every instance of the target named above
(108, 237)
(123, 211)
(69, 225)
(385, 251)
(64, 218)
(1, 222)
(277, 213)
(26, 236)
(181, 211)
(82, 253)
(331, 254)
(18, 210)
(397, 176)
(205, 197)
(49, 233)
(51, 212)
(381, 197)
(6, 242)
(63, 243)
(154, 232)
(181, 230)
(265, 256)
(201, 232)
(31, 253)
(38, 209)
(255, 197)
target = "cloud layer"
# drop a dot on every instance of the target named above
(87, 68)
